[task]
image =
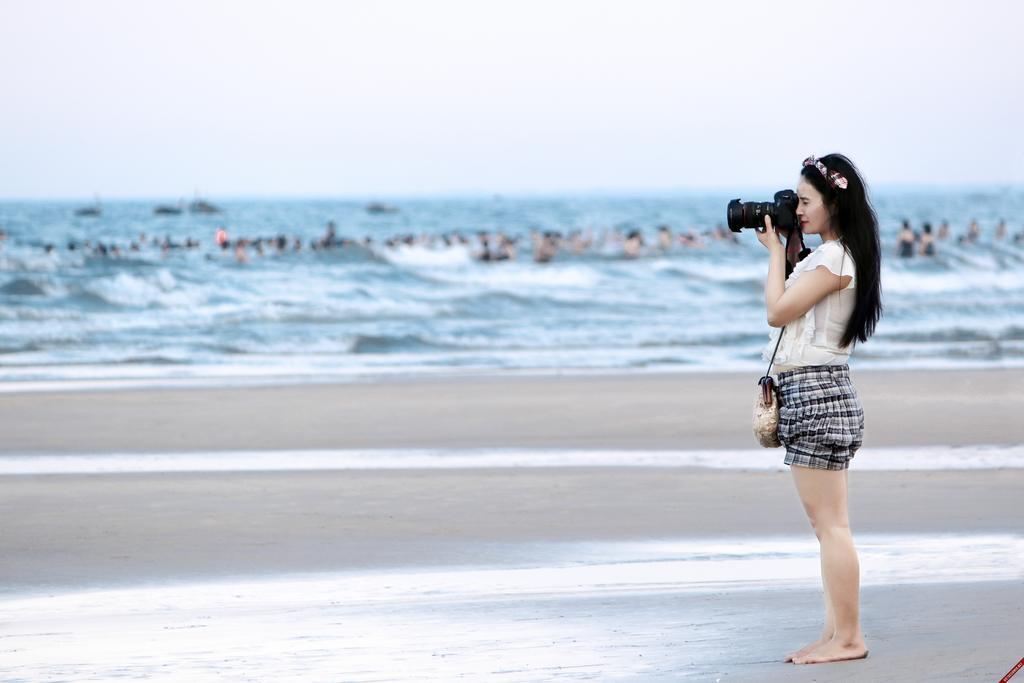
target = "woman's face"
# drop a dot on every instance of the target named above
(814, 216)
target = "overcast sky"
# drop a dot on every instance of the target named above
(156, 99)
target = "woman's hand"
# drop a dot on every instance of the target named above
(768, 237)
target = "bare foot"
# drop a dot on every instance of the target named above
(807, 648)
(833, 651)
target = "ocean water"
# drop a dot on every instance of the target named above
(77, 318)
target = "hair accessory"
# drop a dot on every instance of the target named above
(835, 178)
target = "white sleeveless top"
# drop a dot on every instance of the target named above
(813, 339)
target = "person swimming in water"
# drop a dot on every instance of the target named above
(545, 246)
(973, 232)
(633, 244)
(664, 238)
(927, 241)
(905, 241)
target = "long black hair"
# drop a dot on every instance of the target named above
(856, 225)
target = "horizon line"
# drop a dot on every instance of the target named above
(498, 194)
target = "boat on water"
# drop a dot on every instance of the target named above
(203, 206)
(168, 209)
(89, 211)
(380, 207)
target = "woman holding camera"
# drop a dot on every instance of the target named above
(831, 300)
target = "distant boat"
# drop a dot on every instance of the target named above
(378, 207)
(91, 211)
(167, 210)
(202, 206)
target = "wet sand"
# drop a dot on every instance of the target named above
(928, 632)
(88, 530)
(68, 532)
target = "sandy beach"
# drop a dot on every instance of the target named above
(68, 533)
(660, 411)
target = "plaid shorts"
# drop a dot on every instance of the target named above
(821, 421)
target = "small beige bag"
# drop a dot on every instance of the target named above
(766, 406)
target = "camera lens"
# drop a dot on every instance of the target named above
(734, 215)
(747, 214)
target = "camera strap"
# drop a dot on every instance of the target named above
(767, 372)
(766, 383)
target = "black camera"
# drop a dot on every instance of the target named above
(751, 214)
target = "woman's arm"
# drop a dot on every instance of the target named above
(811, 287)
(786, 305)
(775, 285)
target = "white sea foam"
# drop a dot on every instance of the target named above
(519, 277)
(415, 256)
(713, 271)
(161, 288)
(85, 369)
(951, 282)
(867, 459)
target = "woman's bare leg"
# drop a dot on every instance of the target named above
(829, 629)
(824, 496)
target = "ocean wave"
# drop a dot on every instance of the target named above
(371, 308)
(132, 262)
(369, 343)
(27, 347)
(719, 273)
(161, 289)
(26, 314)
(84, 364)
(903, 281)
(420, 256)
(725, 339)
(155, 358)
(26, 287)
(352, 254)
(955, 334)
(502, 302)
(989, 350)
(25, 261)
(461, 343)
(516, 276)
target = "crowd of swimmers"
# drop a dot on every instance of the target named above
(910, 243)
(495, 246)
(542, 247)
